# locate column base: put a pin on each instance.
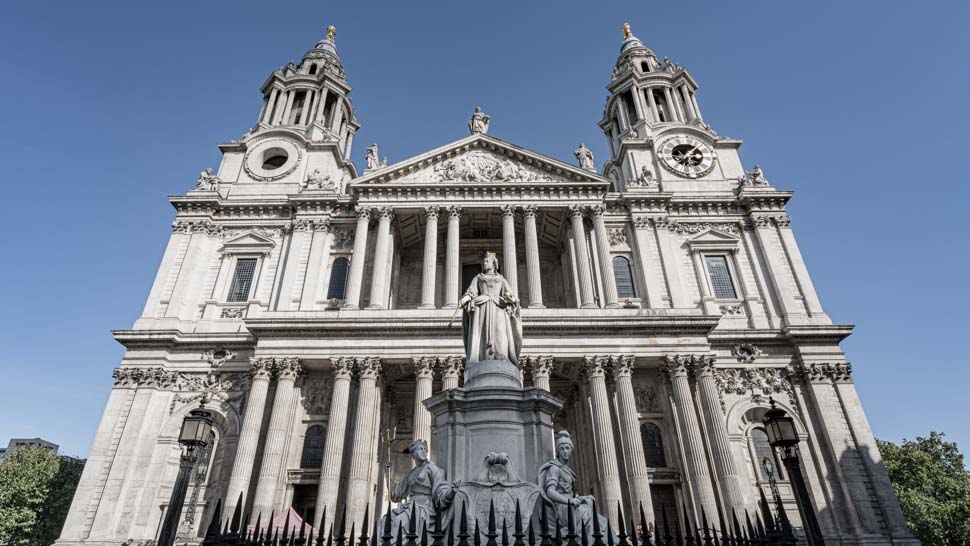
(616, 305)
(536, 306)
(374, 306)
(590, 306)
(427, 306)
(350, 306)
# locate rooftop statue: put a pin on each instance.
(491, 323)
(479, 122)
(585, 157)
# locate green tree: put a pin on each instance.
(933, 487)
(36, 488)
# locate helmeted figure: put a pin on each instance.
(557, 486)
(491, 323)
(425, 490)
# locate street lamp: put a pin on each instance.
(194, 434)
(783, 435)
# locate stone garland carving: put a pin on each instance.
(316, 395)
(736, 309)
(233, 312)
(692, 228)
(478, 166)
(343, 238)
(616, 236)
(760, 383)
(207, 227)
(229, 388)
(767, 220)
(218, 356)
(837, 372)
(746, 352)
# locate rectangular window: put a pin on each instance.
(717, 269)
(242, 280)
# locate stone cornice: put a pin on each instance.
(175, 340)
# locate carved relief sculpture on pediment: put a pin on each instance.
(479, 166)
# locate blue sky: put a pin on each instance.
(109, 107)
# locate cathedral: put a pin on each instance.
(312, 308)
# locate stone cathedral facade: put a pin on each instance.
(664, 298)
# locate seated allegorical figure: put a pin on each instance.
(424, 489)
(557, 486)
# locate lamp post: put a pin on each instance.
(194, 434)
(783, 435)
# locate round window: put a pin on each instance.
(274, 158)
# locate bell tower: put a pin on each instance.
(648, 98)
(312, 97)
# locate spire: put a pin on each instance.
(325, 48)
(632, 46)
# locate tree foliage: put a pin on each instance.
(36, 488)
(933, 487)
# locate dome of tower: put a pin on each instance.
(325, 47)
(324, 56)
(634, 53)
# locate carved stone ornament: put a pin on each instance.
(826, 373)
(616, 236)
(646, 179)
(372, 160)
(229, 388)
(317, 180)
(478, 166)
(746, 352)
(478, 124)
(645, 396)
(760, 383)
(736, 309)
(755, 177)
(233, 313)
(343, 238)
(693, 228)
(585, 157)
(218, 356)
(316, 395)
(539, 366)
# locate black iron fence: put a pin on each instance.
(760, 530)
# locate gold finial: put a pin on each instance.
(331, 31)
(626, 30)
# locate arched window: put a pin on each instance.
(313, 69)
(338, 279)
(762, 450)
(623, 273)
(653, 445)
(644, 66)
(312, 456)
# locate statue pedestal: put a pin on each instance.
(493, 413)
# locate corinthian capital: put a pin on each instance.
(454, 212)
(363, 213)
(529, 211)
(508, 211)
(262, 368)
(623, 367)
(452, 366)
(369, 367)
(424, 366)
(837, 372)
(703, 365)
(577, 210)
(540, 366)
(288, 368)
(431, 212)
(343, 367)
(596, 366)
(677, 365)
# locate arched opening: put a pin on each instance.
(313, 69)
(653, 446)
(274, 158)
(338, 279)
(644, 66)
(313, 441)
(623, 273)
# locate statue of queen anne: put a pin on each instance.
(491, 323)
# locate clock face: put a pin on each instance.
(687, 156)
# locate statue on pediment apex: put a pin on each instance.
(478, 124)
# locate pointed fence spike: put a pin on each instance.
(597, 531)
(505, 532)
(478, 534)
(363, 528)
(582, 534)
(400, 530)
(236, 515)
(323, 526)
(424, 533)
(213, 531)
(609, 532)
(532, 534)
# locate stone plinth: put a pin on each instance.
(493, 414)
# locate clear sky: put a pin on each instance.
(109, 107)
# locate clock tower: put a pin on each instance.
(656, 134)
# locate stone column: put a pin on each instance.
(697, 109)
(673, 106)
(452, 265)
(378, 285)
(724, 464)
(582, 257)
(321, 104)
(277, 436)
(290, 97)
(606, 261)
(509, 269)
(356, 274)
(430, 258)
(363, 453)
(609, 474)
(653, 105)
(338, 116)
(333, 449)
(424, 375)
(307, 103)
(451, 369)
(636, 465)
(242, 468)
(541, 368)
(694, 454)
(269, 109)
(532, 256)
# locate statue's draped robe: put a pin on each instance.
(563, 479)
(492, 330)
(425, 489)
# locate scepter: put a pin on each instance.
(453, 315)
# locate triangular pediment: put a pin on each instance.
(481, 160)
(713, 239)
(248, 242)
